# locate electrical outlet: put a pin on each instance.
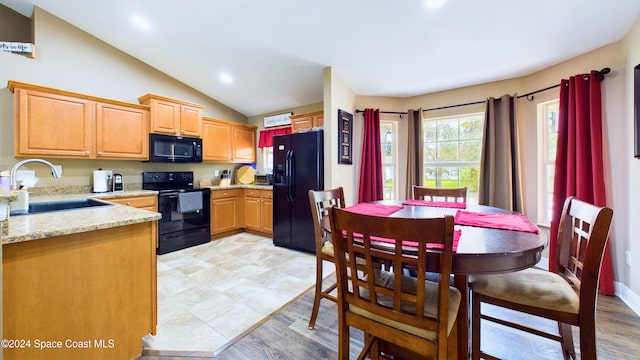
(59, 168)
(627, 257)
(216, 172)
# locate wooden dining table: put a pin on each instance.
(480, 250)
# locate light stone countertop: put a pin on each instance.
(7, 196)
(103, 196)
(57, 223)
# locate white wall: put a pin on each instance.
(627, 174)
(338, 95)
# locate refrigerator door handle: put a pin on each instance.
(292, 178)
(287, 174)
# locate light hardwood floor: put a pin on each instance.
(284, 335)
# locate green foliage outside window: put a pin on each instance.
(452, 149)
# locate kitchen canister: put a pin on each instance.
(101, 180)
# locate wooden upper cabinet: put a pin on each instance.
(307, 121)
(243, 143)
(190, 121)
(62, 124)
(165, 117)
(228, 141)
(122, 132)
(54, 125)
(216, 140)
(173, 117)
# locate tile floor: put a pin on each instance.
(212, 293)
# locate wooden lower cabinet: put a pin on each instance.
(88, 295)
(266, 211)
(226, 211)
(252, 218)
(258, 211)
(146, 202)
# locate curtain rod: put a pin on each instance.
(528, 95)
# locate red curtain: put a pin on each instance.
(579, 168)
(371, 166)
(266, 136)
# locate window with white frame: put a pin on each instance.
(452, 149)
(547, 140)
(389, 145)
(267, 159)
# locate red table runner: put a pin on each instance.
(373, 209)
(516, 222)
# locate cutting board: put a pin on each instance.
(245, 174)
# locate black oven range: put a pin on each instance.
(185, 210)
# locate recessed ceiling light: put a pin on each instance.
(225, 78)
(434, 4)
(141, 23)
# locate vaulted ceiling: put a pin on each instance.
(264, 56)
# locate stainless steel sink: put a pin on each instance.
(49, 206)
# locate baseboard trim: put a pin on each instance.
(628, 297)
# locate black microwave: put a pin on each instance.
(174, 149)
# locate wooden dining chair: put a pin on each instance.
(320, 202)
(567, 296)
(440, 194)
(390, 308)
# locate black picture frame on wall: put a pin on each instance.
(345, 136)
(636, 107)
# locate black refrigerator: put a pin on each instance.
(298, 166)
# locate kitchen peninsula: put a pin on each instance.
(81, 283)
